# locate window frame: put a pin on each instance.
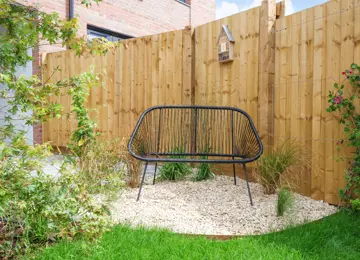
(183, 2)
(105, 33)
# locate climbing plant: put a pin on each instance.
(347, 106)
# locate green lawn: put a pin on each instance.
(335, 237)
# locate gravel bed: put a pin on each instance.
(212, 207)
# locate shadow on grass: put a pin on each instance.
(334, 237)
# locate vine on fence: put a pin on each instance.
(85, 132)
(350, 119)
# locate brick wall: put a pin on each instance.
(131, 17)
(202, 11)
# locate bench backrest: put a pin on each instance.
(195, 131)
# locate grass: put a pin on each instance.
(284, 202)
(204, 169)
(203, 172)
(335, 237)
(281, 165)
(174, 171)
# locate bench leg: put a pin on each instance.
(247, 183)
(155, 173)
(234, 173)
(142, 181)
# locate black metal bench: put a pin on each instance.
(219, 134)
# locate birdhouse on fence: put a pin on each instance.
(225, 44)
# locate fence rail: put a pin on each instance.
(283, 69)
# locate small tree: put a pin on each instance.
(34, 208)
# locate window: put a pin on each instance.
(186, 2)
(94, 32)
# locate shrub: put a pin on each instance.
(133, 170)
(174, 170)
(204, 169)
(203, 172)
(285, 160)
(285, 201)
(344, 101)
(36, 208)
(133, 165)
(100, 165)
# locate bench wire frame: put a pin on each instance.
(184, 123)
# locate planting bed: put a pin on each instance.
(212, 207)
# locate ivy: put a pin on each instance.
(350, 119)
(86, 127)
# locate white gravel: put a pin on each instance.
(212, 207)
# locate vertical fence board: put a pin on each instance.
(266, 71)
(332, 67)
(349, 25)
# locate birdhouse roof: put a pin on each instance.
(225, 29)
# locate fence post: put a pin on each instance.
(266, 71)
(188, 73)
(280, 9)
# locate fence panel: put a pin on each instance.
(233, 83)
(312, 48)
(143, 72)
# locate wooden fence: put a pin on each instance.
(283, 69)
(229, 84)
(143, 72)
(312, 48)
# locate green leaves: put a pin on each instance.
(350, 118)
(173, 171)
(25, 27)
(88, 3)
(285, 201)
(86, 128)
(38, 207)
(204, 170)
(354, 66)
(35, 207)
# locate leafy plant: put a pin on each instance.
(133, 165)
(203, 172)
(98, 162)
(37, 208)
(204, 169)
(285, 200)
(285, 160)
(174, 170)
(350, 118)
(101, 166)
(85, 133)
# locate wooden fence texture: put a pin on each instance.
(234, 83)
(143, 72)
(283, 69)
(228, 84)
(312, 48)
